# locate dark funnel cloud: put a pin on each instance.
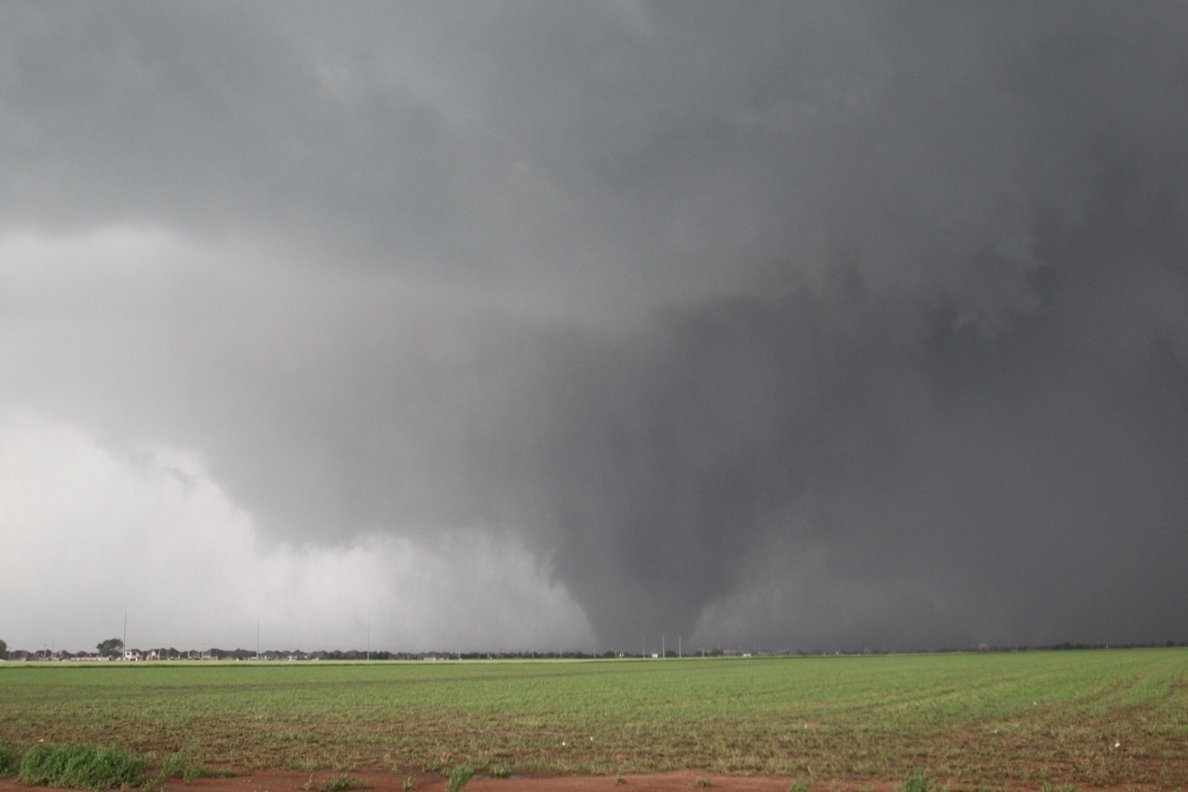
(767, 325)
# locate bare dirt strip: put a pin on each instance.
(683, 781)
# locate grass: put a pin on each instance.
(85, 766)
(344, 782)
(183, 765)
(459, 776)
(10, 760)
(1028, 719)
(917, 782)
(81, 767)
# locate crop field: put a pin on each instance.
(1091, 719)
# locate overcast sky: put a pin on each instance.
(575, 325)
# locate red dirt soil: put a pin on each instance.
(683, 781)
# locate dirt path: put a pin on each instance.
(673, 781)
(435, 782)
(679, 781)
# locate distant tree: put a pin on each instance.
(110, 648)
(3, 650)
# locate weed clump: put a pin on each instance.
(81, 767)
(500, 770)
(917, 782)
(344, 782)
(44, 764)
(182, 765)
(799, 786)
(10, 760)
(459, 776)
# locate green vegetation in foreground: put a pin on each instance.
(1086, 718)
(81, 767)
(343, 783)
(10, 760)
(182, 765)
(460, 776)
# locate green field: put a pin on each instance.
(1085, 718)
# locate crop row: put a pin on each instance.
(1094, 718)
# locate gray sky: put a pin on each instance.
(572, 325)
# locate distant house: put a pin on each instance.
(133, 654)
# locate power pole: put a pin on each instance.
(124, 640)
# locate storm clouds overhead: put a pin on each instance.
(571, 325)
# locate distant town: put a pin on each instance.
(292, 655)
(120, 655)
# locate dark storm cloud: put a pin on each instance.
(842, 323)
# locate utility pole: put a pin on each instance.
(257, 639)
(680, 654)
(124, 640)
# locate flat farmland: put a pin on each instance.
(1092, 719)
